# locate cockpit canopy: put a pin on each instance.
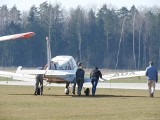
(63, 63)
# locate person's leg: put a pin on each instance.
(92, 81)
(152, 87)
(96, 82)
(81, 85)
(78, 84)
(94, 86)
(74, 87)
(41, 86)
(149, 87)
(36, 86)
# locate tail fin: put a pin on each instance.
(23, 77)
(18, 69)
(48, 52)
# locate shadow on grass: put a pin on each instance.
(84, 96)
(107, 96)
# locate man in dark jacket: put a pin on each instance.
(94, 75)
(79, 79)
(39, 81)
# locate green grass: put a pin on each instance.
(19, 103)
(7, 79)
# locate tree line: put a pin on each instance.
(108, 37)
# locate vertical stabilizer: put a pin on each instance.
(18, 69)
(48, 52)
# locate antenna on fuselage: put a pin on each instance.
(48, 52)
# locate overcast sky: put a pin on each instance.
(26, 4)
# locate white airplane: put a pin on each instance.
(60, 69)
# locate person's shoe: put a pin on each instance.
(35, 93)
(79, 94)
(152, 95)
(73, 92)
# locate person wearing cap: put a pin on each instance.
(152, 76)
(79, 79)
(95, 75)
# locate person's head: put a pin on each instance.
(96, 68)
(79, 64)
(151, 63)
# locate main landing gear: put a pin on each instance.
(66, 91)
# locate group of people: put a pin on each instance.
(94, 76)
(151, 73)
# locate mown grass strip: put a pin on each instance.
(19, 103)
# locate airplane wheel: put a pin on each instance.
(66, 91)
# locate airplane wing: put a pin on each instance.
(29, 75)
(124, 75)
(6, 74)
(108, 77)
(15, 36)
(15, 76)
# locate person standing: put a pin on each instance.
(39, 83)
(94, 75)
(152, 76)
(79, 79)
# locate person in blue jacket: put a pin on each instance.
(152, 76)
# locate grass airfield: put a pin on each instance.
(19, 103)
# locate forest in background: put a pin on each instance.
(107, 37)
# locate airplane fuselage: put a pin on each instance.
(62, 69)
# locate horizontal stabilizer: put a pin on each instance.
(46, 72)
(31, 72)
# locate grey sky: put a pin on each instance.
(26, 4)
